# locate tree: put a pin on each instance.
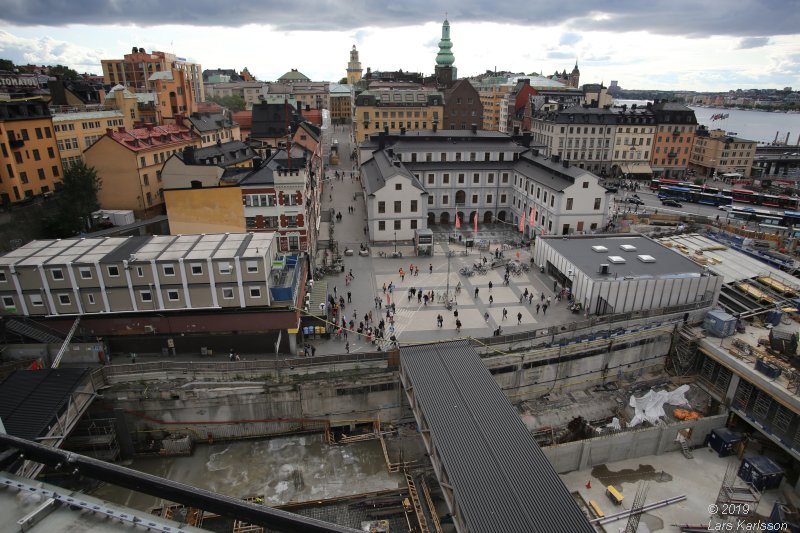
(7, 64)
(63, 72)
(233, 102)
(75, 202)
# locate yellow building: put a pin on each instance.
(129, 164)
(395, 110)
(341, 97)
(354, 67)
(123, 100)
(30, 163)
(75, 132)
(716, 153)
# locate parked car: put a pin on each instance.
(672, 203)
(725, 207)
(633, 200)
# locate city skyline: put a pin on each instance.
(665, 46)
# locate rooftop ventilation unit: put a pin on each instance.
(646, 258)
(604, 269)
(627, 247)
(599, 249)
(616, 259)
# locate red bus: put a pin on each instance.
(655, 184)
(744, 195)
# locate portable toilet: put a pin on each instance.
(724, 441)
(761, 472)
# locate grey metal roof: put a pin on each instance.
(377, 170)
(203, 122)
(422, 166)
(501, 479)
(668, 263)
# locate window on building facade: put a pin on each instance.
(36, 300)
(503, 199)
(86, 273)
(381, 225)
(398, 186)
(596, 204)
(57, 274)
(169, 270)
(445, 199)
(461, 178)
(569, 204)
(413, 206)
(398, 206)
(227, 293)
(430, 199)
(197, 269)
(381, 207)
(64, 299)
(146, 296)
(476, 178)
(173, 295)
(489, 198)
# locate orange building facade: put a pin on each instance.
(30, 163)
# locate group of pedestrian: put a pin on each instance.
(309, 350)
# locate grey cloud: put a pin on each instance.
(741, 18)
(753, 42)
(556, 54)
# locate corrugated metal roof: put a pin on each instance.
(501, 479)
(86, 115)
(30, 400)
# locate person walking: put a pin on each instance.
(542, 297)
(476, 291)
(349, 297)
(537, 308)
(347, 346)
(548, 300)
(530, 298)
(490, 287)
(439, 320)
(491, 299)
(458, 326)
(521, 298)
(519, 318)
(430, 268)
(505, 313)
(486, 316)
(544, 309)
(555, 286)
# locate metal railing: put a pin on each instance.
(590, 323)
(239, 367)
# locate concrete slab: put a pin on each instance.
(669, 475)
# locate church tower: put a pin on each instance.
(353, 67)
(575, 76)
(445, 71)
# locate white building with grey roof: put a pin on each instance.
(610, 274)
(435, 176)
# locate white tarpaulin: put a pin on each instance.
(650, 407)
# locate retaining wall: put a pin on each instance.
(580, 455)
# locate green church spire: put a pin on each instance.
(445, 57)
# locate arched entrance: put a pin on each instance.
(471, 218)
(461, 197)
(461, 218)
(487, 217)
(444, 218)
(431, 219)
(501, 216)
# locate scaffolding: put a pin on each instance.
(95, 437)
(684, 349)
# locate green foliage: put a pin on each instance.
(74, 203)
(7, 64)
(233, 102)
(343, 81)
(63, 72)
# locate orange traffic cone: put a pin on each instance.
(589, 484)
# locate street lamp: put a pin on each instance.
(395, 242)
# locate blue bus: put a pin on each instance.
(697, 196)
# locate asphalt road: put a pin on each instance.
(652, 203)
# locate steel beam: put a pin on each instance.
(170, 490)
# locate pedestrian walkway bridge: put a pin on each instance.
(493, 474)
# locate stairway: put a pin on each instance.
(685, 450)
(415, 502)
(33, 330)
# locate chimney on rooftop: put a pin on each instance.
(565, 162)
(109, 131)
(121, 129)
(149, 126)
(188, 155)
(516, 130)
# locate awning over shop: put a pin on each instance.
(636, 169)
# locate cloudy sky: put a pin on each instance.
(660, 44)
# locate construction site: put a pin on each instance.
(662, 413)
